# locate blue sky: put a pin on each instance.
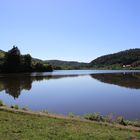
(78, 30)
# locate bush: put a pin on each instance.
(133, 123)
(1, 103)
(109, 118)
(40, 67)
(121, 120)
(25, 108)
(94, 117)
(71, 115)
(15, 106)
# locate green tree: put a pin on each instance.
(15, 62)
(39, 67)
(12, 60)
(27, 62)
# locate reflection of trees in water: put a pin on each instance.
(129, 80)
(14, 84)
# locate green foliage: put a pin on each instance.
(67, 65)
(2, 54)
(71, 115)
(25, 108)
(40, 67)
(128, 57)
(120, 120)
(94, 117)
(15, 106)
(1, 103)
(13, 62)
(27, 62)
(133, 122)
(108, 118)
(136, 63)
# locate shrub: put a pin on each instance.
(15, 106)
(109, 118)
(94, 117)
(71, 114)
(1, 103)
(133, 123)
(121, 120)
(25, 108)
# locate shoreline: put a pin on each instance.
(62, 117)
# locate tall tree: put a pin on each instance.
(27, 62)
(13, 60)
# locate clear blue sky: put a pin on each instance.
(78, 30)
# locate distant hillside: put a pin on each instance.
(129, 58)
(2, 54)
(59, 64)
(56, 64)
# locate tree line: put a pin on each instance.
(128, 57)
(14, 62)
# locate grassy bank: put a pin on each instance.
(16, 124)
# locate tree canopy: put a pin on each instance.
(15, 62)
(128, 57)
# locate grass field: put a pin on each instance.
(22, 126)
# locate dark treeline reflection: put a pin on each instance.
(13, 84)
(129, 80)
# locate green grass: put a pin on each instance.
(20, 126)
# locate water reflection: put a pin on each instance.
(14, 84)
(78, 93)
(128, 80)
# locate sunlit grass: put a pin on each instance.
(23, 126)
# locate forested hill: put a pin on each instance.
(56, 64)
(14, 62)
(128, 59)
(125, 58)
(59, 64)
(2, 53)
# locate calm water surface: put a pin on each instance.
(77, 91)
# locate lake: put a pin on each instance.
(77, 91)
